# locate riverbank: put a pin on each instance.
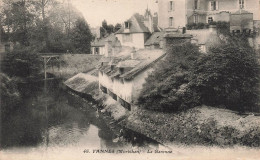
(202, 125)
(72, 64)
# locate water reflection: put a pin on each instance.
(49, 117)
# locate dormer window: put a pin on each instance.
(127, 25)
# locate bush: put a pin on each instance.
(229, 76)
(166, 88)
(22, 62)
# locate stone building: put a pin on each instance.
(179, 13)
(135, 31)
(122, 76)
(106, 46)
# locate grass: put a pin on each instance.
(72, 64)
(201, 125)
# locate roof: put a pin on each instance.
(177, 35)
(128, 63)
(136, 25)
(142, 59)
(154, 39)
(101, 42)
(241, 11)
(155, 25)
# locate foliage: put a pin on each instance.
(196, 26)
(107, 29)
(221, 26)
(165, 88)
(81, 36)
(229, 76)
(22, 62)
(10, 96)
(42, 25)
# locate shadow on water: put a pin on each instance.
(49, 116)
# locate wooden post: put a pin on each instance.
(45, 72)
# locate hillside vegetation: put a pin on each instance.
(227, 77)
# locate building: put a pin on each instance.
(205, 38)
(135, 31)
(122, 76)
(179, 13)
(106, 46)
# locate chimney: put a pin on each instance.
(108, 48)
(133, 53)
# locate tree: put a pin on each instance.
(165, 86)
(228, 76)
(117, 27)
(81, 36)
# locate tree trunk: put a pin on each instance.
(45, 24)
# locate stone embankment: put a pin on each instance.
(202, 125)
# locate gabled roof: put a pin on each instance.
(155, 25)
(101, 42)
(154, 39)
(142, 60)
(136, 25)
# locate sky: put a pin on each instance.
(113, 11)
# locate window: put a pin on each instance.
(213, 5)
(196, 18)
(195, 4)
(171, 6)
(96, 50)
(171, 21)
(127, 25)
(241, 4)
(210, 19)
(121, 70)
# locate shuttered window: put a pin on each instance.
(196, 4)
(241, 4)
(171, 22)
(171, 6)
(213, 5)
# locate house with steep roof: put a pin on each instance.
(123, 76)
(135, 31)
(155, 41)
(106, 46)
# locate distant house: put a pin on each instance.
(135, 31)
(179, 13)
(106, 46)
(122, 76)
(241, 21)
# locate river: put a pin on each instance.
(50, 118)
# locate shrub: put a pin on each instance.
(229, 76)
(22, 62)
(165, 89)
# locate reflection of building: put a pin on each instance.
(179, 13)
